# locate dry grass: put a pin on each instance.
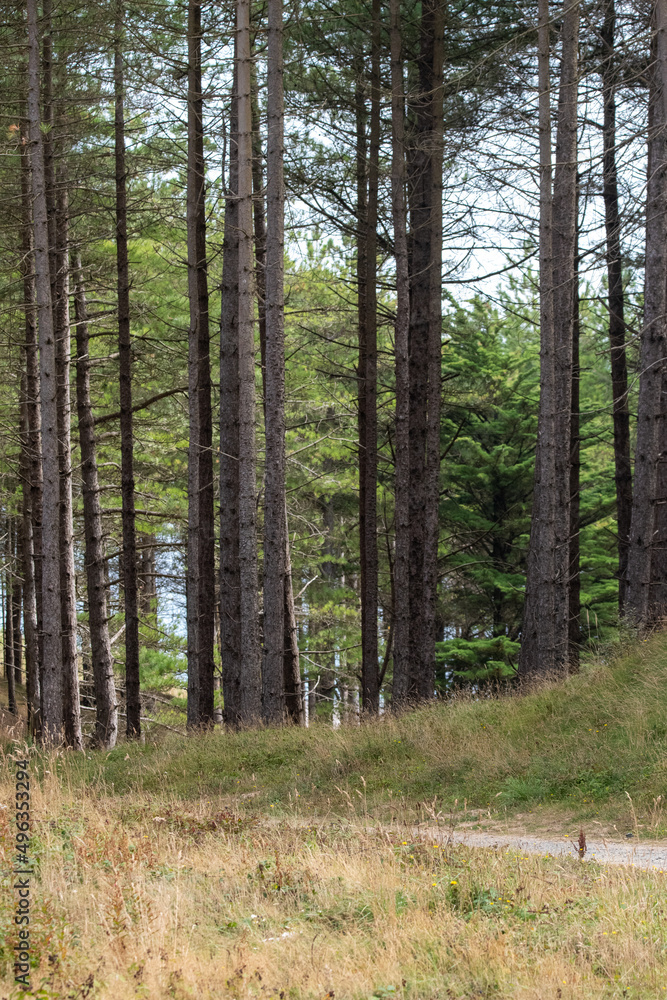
(152, 896)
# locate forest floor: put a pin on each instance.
(348, 864)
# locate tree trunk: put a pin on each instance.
(401, 622)
(106, 709)
(201, 539)
(259, 221)
(132, 683)
(653, 337)
(424, 252)
(368, 399)
(61, 322)
(294, 699)
(250, 652)
(574, 628)
(616, 300)
(230, 585)
(564, 241)
(31, 466)
(52, 691)
(273, 687)
(17, 601)
(434, 28)
(537, 652)
(9, 618)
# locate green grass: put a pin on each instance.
(585, 743)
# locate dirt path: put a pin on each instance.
(631, 852)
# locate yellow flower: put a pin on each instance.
(453, 882)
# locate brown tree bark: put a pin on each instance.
(435, 27)
(564, 242)
(9, 617)
(258, 220)
(132, 682)
(230, 585)
(61, 322)
(52, 692)
(250, 651)
(424, 259)
(106, 708)
(538, 633)
(574, 593)
(294, 696)
(31, 466)
(273, 686)
(401, 622)
(616, 301)
(294, 708)
(367, 381)
(653, 347)
(201, 540)
(17, 602)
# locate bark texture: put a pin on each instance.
(273, 686)
(401, 622)
(250, 652)
(653, 338)
(52, 690)
(31, 469)
(367, 388)
(564, 239)
(538, 634)
(616, 301)
(201, 540)
(106, 708)
(129, 561)
(417, 680)
(61, 321)
(230, 586)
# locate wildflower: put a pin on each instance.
(453, 882)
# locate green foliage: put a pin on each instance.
(159, 669)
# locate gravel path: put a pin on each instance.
(633, 853)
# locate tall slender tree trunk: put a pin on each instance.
(28, 562)
(230, 584)
(616, 300)
(401, 623)
(201, 539)
(370, 680)
(564, 241)
(250, 652)
(538, 633)
(653, 338)
(574, 629)
(294, 696)
(61, 321)
(435, 27)
(31, 462)
(52, 691)
(132, 683)
(291, 679)
(259, 221)
(9, 617)
(424, 254)
(17, 602)
(273, 687)
(106, 709)
(658, 588)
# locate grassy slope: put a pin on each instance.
(192, 869)
(585, 745)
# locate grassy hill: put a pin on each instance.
(286, 864)
(585, 744)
